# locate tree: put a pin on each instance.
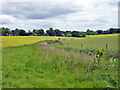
(58, 32)
(40, 32)
(117, 30)
(5, 31)
(29, 32)
(93, 32)
(83, 35)
(78, 34)
(64, 33)
(45, 34)
(13, 32)
(106, 32)
(34, 30)
(99, 32)
(111, 30)
(33, 33)
(16, 32)
(22, 32)
(75, 34)
(88, 32)
(50, 32)
(51, 29)
(68, 33)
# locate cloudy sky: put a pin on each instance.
(63, 14)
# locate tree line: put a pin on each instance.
(55, 32)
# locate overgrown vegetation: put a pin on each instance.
(62, 63)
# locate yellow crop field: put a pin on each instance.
(103, 35)
(12, 41)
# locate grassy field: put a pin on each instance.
(64, 63)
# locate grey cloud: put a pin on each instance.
(65, 16)
(38, 10)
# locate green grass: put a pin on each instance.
(29, 67)
(95, 43)
(54, 66)
(92, 44)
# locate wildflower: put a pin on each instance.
(10, 85)
(66, 54)
(63, 50)
(92, 60)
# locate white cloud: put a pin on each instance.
(7, 19)
(63, 14)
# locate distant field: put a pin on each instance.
(95, 42)
(12, 41)
(46, 62)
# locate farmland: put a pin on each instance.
(12, 41)
(60, 62)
